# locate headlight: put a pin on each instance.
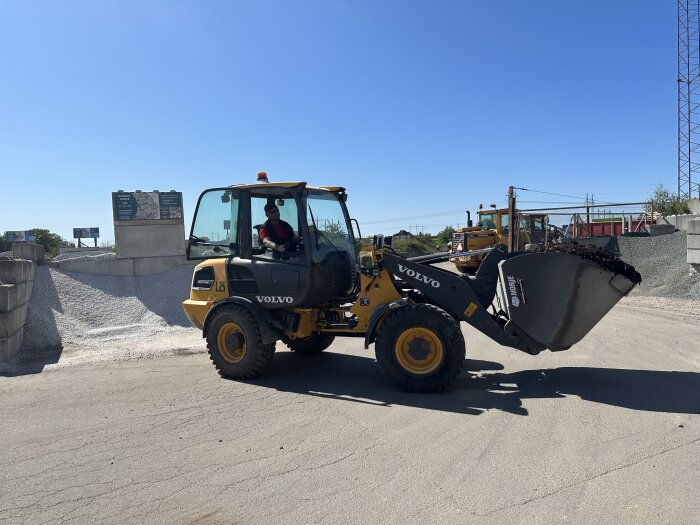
(203, 278)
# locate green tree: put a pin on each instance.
(50, 241)
(445, 236)
(412, 248)
(4, 244)
(666, 203)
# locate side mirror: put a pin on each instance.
(279, 202)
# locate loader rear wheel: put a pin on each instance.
(420, 348)
(235, 344)
(314, 344)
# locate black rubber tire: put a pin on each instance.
(469, 270)
(257, 355)
(442, 325)
(314, 344)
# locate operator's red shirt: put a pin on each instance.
(281, 232)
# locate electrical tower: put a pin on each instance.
(688, 97)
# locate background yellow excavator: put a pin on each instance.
(492, 228)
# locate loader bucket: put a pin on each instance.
(554, 299)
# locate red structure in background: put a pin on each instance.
(614, 228)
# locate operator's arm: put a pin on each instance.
(269, 243)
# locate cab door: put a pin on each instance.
(215, 231)
(265, 277)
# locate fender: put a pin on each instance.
(262, 316)
(379, 314)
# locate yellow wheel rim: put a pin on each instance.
(231, 343)
(419, 351)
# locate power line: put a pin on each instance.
(427, 216)
(550, 193)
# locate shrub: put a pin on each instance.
(667, 203)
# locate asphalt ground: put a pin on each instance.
(606, 432)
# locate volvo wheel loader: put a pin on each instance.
(245, 297)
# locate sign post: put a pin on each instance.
(86, 233)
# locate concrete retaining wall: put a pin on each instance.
(148, 238)
(694, 243)
(137, 266)
(28, 250)
(679, 221)
(16, 283)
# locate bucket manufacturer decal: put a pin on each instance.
(514, 299)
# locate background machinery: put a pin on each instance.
(245, 300)
(492, 228)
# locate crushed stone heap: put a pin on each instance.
(599, 256)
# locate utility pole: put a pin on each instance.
(588, 217)
(688, 95)
(511, 219)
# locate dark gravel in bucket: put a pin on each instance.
(599, 256)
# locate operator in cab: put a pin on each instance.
(276, 234)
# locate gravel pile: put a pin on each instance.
(599, 256)
(695, 289)
(662, 262)
(72, 309)
(85, 256)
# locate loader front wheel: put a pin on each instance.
(314, 344)
(420, 348)
(235, 344)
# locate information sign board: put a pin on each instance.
(155, 205)
(20, 235)
(86, 233)
(170, 205)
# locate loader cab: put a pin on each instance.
(320, 267)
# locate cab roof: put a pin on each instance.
(299, 184)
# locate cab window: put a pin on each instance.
(504, 224)
(488, 221)
(215, 226)
(289, 213)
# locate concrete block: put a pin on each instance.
(113, 267)
(13, 271)
(13, 320)
(693, 256)
(13, 295)
(8, 297)
(144, 266)
(694, 227)
(694, 242)
(10, 346)
(660, 229)
(144, 238)
(694, 205)
(28, 250)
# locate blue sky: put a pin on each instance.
(421, 109)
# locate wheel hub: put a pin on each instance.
(235, 341)
(419, 349)
(231, 343)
